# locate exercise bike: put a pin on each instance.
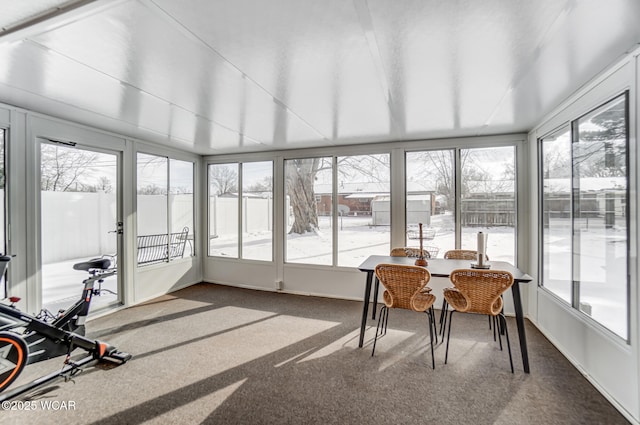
(26, 339)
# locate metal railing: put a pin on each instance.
(160, 248)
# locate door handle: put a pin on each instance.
(119, 228)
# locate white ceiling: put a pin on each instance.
(253, 75)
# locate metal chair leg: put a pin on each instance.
(499, 331)
(433, 322)
(506, 332)
(443, 326)
(494, 326)
(432, 325)
(376, 286)
(446, 353)
(386, 318)
(381, 321)
(443, 316)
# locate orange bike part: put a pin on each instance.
(19, 346)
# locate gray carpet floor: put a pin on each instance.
(222, 355)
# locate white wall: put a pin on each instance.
(609, 362)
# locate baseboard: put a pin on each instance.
(282, 291)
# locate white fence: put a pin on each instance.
(257, 215)
(77, 224)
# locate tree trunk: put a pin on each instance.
(301, 175)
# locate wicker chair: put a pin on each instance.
(457, 254)
(404, 289)
(399, 252)
(479, 291)
(427, 252)
(462, 254)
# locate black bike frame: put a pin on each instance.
(48, 340)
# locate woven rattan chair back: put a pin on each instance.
(408, 252)
(404, 286)
(479, 290)
(463, 254)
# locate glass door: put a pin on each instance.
(80, 220)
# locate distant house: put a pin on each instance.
(354, 198)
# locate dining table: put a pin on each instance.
(439, 267)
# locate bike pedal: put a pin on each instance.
(120, 356)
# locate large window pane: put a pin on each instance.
(364, 218)
(152, 208)
(488, 202)
(257, 207)
(223, 210)
(78, 216)
(431, 200)
(308, 210)
(152, 194)
(600, 223)
(556, 213)
(181, 202)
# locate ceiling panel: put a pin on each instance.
(15, 12)
(312, 56)
(145, 51)
(220, 76)
(585, 39)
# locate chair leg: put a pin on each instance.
(432, 326)
(489, 317)
(443, 325)
(443, 316)
(376, 285)
(499, 332)
(381, 321)
(506, 332)
(386, 318)
(494, 326)
(433, 322)
(446, 353)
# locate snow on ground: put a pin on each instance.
(603, 287)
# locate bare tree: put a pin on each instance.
(104, 184)
(152, 189)
(300, 179)
(62, 168)
(370, 168)
(301, 176)
(265, 185)
(223, 179)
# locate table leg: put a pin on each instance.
(365, 306)
(376, 285)
(517, 304)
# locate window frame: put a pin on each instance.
(573, 124)
(240, 189)
(457, 171)
(169, 158)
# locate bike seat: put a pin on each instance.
(95, 263)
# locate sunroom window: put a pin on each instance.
(584, 214)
